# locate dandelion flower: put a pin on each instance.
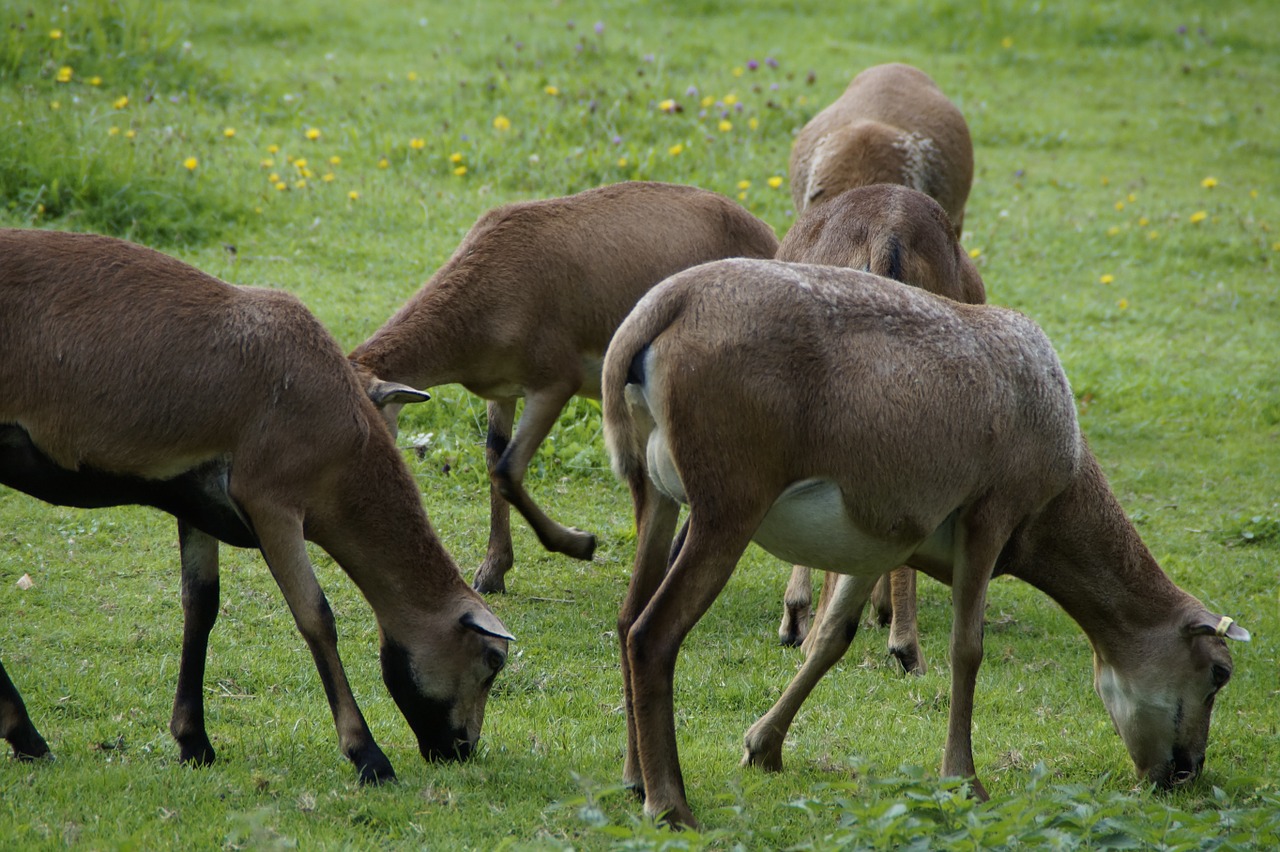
(552, 91)
(306, 173)
(382, 163)
(1275, 246)
(353, 195)
(55, 34)
(738, 72)
(1209, 182)
(273, 177)
(1006, 42)
(1198, 216)
(667, 105)
(1113, 230)
(313, 133)
(1253, 193)
(273, 149)
(460, 171)
(1106, 279)
(725, 125)
(229, 132)
(280, 186)
(335, 160)
(266, 163)
(300, 164)
(1153, 235)
(1143, 222)
(1106, 181)
(1123, 304)
(1119, 205)
(55, 104)
(753, 122)
(121, 102)
(328, 177)
(675, 149)
(190, 164)
(64, 74)
(417, 143)
(455, 157)
(501, 123)
(411, 76)
(775, 182)
(707, 101)
(730, 100)
(95, 80)
(130, 133)
(744, 184)
(300, 183)
(115, 131)
(742, 196)
(622, 162)
(975, 253)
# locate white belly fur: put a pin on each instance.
(808, 525)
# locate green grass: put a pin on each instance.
(1095, 125)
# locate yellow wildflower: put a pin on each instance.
(1123, 304)
(328, 177)
(744, 184)
(121, 102)
(64, 74)
(775, 182)
(1119, 205)
(1153, 235)
(266, 163)
(708, 101)
(417, 143)
(1132, 198)
(95, 80)
(753, 122)
(502, 123)
(382, 164)
(725, 125)
(335, 160)
(551, 90)
(622, 162)
(313, 133)
(130, 133)
(1006, 42)
(1113, 230)
(730, 100)
(742, 196)
(675, 149)
(273, 177)
(115, 131)
(1209, 182)
(55, 104)
(190, 164)
(411, 76)
(353, 195)
(280, 186)
(739, 71)
(667, 105)
(460, 171)
(1198, 216)
(55, 34)
(229, 132)
(273, 149)
(300, 183)
(455, 157)
(975, 253)
(1143, 222)
(300, 164)
(1106, 279)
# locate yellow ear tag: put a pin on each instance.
(1224, 625)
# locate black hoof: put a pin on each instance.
(197, 754)
(374, 768)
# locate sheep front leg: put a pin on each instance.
(797, 602)
(15, 725)
(283, 547)
(200, 595)
(541, 408)
(491, 575)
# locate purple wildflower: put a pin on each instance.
(752, 65)
(599, 27)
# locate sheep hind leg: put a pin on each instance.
(15, 725)
(835, 628)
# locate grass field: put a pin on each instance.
(1127, 197)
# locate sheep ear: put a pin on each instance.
(1215, 625)
(484, 622)
(393, 393)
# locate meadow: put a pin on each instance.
(1127, 197)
